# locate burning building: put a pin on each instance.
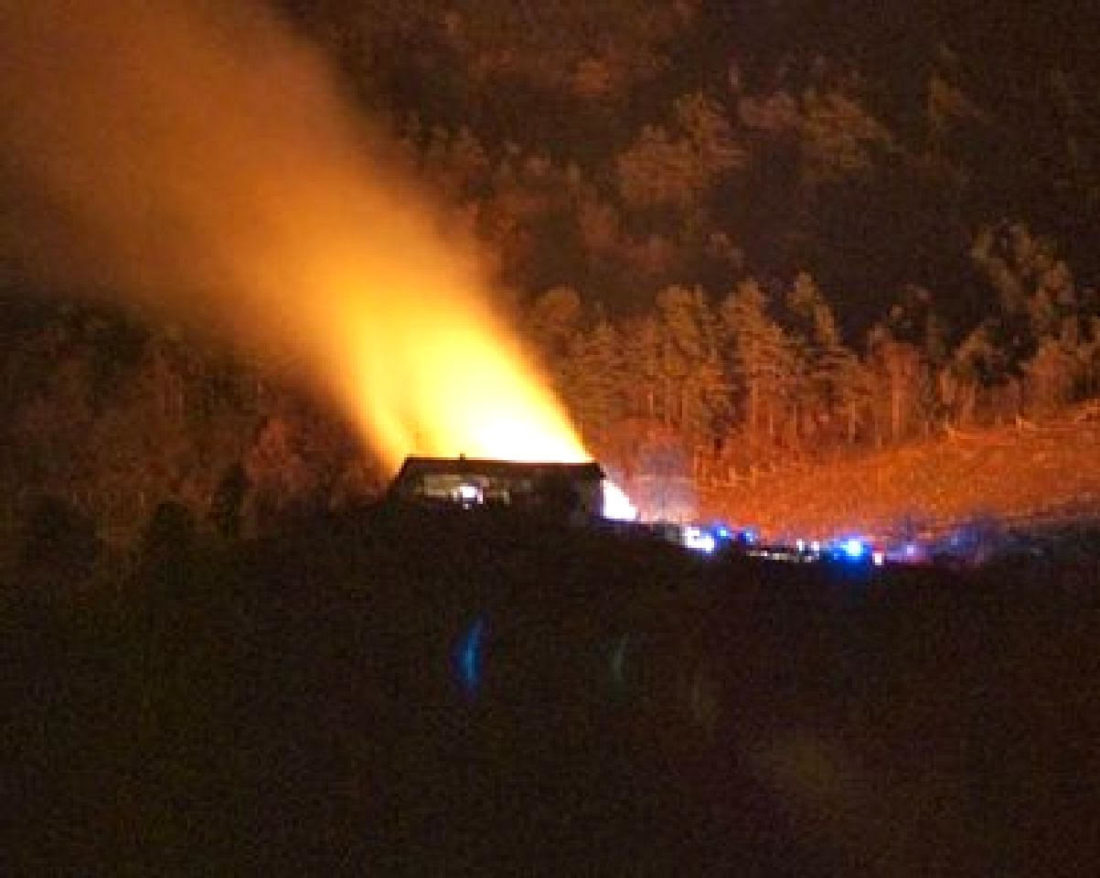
(571, 491)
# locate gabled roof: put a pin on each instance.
(417, 466)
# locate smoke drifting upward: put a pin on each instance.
(201, 162)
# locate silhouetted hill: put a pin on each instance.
(400, 693)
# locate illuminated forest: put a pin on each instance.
(731, 238)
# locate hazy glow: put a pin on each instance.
(197, 159)
(616, 504)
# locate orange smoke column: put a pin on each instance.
(197, 159)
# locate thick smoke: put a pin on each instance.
(200, 160)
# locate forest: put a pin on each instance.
(733, 235)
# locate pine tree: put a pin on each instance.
(898, 368)
(762, 360)
(596, 390)
(1037, 331)
(642, 370)
(837, 384)
(975, 366)
(671, 166)
(693, 368)
(551, 327)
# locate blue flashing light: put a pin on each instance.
(723, 532)
(854, 548)
(469, 656)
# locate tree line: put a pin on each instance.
(108, 418)
(765, 374)
(115, 417)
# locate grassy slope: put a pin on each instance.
(1027, 472)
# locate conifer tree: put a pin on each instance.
(691, 359)
(762, 361)
(596, 384)
(837, 385)
(646, 387)
(898, 370)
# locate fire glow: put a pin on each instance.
(206, 167)
(454, 383)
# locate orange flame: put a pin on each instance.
(440, 374)
(457, 386)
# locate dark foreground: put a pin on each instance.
(404, 695)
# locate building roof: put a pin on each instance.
(417, 466)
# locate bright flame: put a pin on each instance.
(452, 383)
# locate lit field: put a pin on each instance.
(1040, 472)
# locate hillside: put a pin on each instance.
(697, 220)
(1029, 471)
(400, 693)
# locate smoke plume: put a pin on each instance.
(201, 161)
